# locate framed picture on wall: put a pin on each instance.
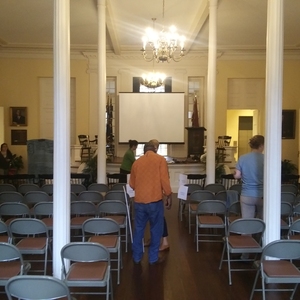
(18, 116)
(288, 124)
(19, 137)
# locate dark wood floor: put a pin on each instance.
(185, 274)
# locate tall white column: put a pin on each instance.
(61, 193)
(101, 169)
(211, 92)
(272, 168)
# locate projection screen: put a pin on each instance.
(146, 116)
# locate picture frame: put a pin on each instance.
(19, 137)
(288, 123)
(18, 116)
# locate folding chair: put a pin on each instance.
(280, 268)
(12, 210)
(239, 240)
(77, 188)
(288, 197)
(236, 187)
(215, 187)
(47, 188)
(4, 234)
(182, 203)
(288, 187)
(106, 232)
(92, 196)
(12, 263)
(211, 214)
(294, 231)
(89, 267)
(36, 287)
(31, 237)
(28, 187)
(233, 212)
(116, 210)
(80, 212)
(44, 212)
(194, 199)
(99, 187)
(7, 187)
(11, 196)
(286, 215)
(118, 186)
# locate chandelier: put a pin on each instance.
(153, 80)
(163, 45)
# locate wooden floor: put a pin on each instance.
(185, 274)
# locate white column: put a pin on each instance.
(101, 170)
(272, 168)
(61, 193)
(211, 92)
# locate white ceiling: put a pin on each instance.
(28, 24)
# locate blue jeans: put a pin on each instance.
(154, 213)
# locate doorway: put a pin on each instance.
(245, 132)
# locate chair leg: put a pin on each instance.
(189, 220)
(228, 263)
(294, 291)
(254, 284)
(222, 257)
(197, 234)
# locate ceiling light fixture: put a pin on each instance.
(163, 45)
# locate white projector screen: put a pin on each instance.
(146, 116)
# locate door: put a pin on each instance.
(244, 134)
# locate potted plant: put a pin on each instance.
(91, 168)
(287, 167)
(16, 164)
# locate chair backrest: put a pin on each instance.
(84, 140)
(212, 207)
(247, 226)
(83, 252)
(115, 195)
(77, 188)
(11, 196)
(36, 197)
(196, 179)
(222, 195)
(288, 197)
(36, 287)
(223, 141)
(193, 187)
(47, 188)
(83, 208)
(100, 226)
(215, 187)
(118, 186)
(14, 209)
(235, 208)
(43, 209)
(100, 187)
(228, 180)
(286, 209)
(201, 195)
(236, 187)
(112, 207)
(292, 188)
(294, 228)
(73, 197)
(115, 178)
(92, 196)
(7, 187)
(28, 226)
(282, 249)
(28, 187)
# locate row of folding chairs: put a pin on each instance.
(90, 267)
(274, 263)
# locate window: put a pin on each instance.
(162, 150)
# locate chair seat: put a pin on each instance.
(4, 239)
(78, 221)
(294, 237)
(119, 219)
(243, 241)
(210, 220)
(193, 207)
(32, 243)
(280, 268)
(92, 271)
(48, 222)
(109, 241)
(9, 269)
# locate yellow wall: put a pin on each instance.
(19, 87)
